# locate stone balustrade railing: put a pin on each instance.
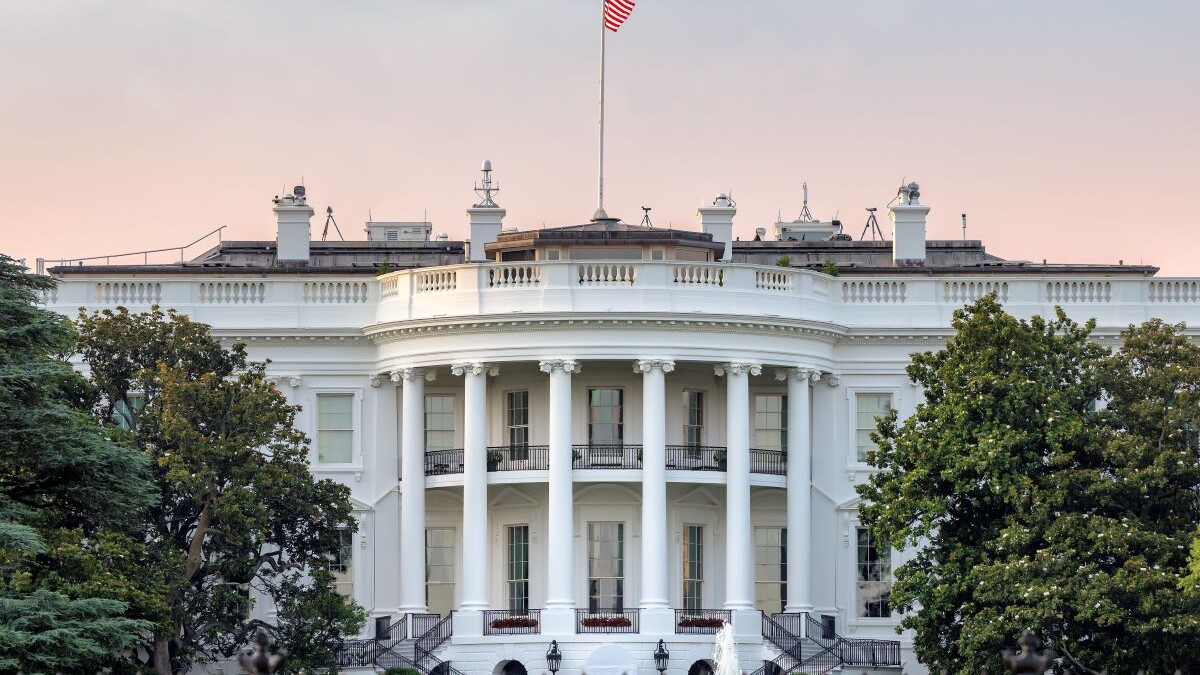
(680, 290)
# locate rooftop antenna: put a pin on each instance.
(486, 189)
(805, 215)
(872, 226)
(964, 221)
(646, 217)
(329, 219)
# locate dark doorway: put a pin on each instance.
(701, 667)
(514, 668)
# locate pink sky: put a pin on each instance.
(1066, 130)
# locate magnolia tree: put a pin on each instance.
(1045, 483)
(237, 509)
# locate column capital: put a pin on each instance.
(646, 365)
(813, 375)
(565, 365)
(475, 368)
(376, 380)
(833, 379)
(410, 374)
(737, 369)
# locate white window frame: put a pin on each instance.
(356, 460)
(852, 393)
(848, 568)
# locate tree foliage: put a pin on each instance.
(238, 508)
(1029, 507)
(71, 495)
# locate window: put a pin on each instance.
(335, 428)
(553, 254)
(439, 570)
(693, 567)
(439, 422)
(125, 412)
(770, 569)
(770, 421)
(873, 576)
(606, 567)
(657, 254)
(516, 420)
(518, 569)
(605, 421)
(693, 418)
(868, 408)
(342, 564)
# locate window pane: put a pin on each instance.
(335, 428)
(693, 567)
(439, 421)
(770, 421)
(868, 407)
(518, 568)
(606, 566)
(873, 575)
(770, 569)
(439, 570)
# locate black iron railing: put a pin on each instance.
(361, 653)
(442, 462)
(696, 457)
(855, 651)
(518, 458)
(610, 621)
(773, 462)
(434, 630)
(701, 621)
(505, 622)
(592, 456)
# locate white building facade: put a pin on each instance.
(605, 436)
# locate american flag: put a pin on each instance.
(615, 13)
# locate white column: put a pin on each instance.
(412, 492)
(654, 482)
(386, 469)
(799, 488)
(475, 487)
(560, 597)
(739, 545)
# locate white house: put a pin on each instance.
(607, 435)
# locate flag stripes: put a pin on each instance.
(615, 13)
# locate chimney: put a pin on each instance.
(908, 227)
(292, 233)
(486, 217)
(717, 220)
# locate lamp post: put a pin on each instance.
(661, 656)
(553, 657)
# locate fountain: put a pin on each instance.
(725, 652)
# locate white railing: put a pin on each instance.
(702, 275)
(1078, 291)
(336, 292)
(514, 276)
(607, 274)
(231, 292)
(962, 292)
(874, 291)
(773, 281)
(431, 281)
(389, 286)
(1174, 290)
(128, 292)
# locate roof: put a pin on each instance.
(604, 232)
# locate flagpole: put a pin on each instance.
(600, 191)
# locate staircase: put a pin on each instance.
(396, 650)
(803, 649)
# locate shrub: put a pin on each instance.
(607, 622)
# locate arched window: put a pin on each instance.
(701, 667)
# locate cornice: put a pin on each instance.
(707, 323)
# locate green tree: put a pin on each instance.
(70, 497)
(239, 508)
(1029, 508)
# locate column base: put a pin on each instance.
(468, 623)
(657, 621)
(558, 621)
(747, 625)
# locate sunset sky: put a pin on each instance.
(1065, 129)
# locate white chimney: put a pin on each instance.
(717, 220)
(486, 217)
(908, 227)
(292, 220)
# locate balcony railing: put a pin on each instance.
(442, 462)
(614, 621)
(696, 457)
(505, 622)
(592, 456)
(772, 462)
(518, 458)
(701, 621)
